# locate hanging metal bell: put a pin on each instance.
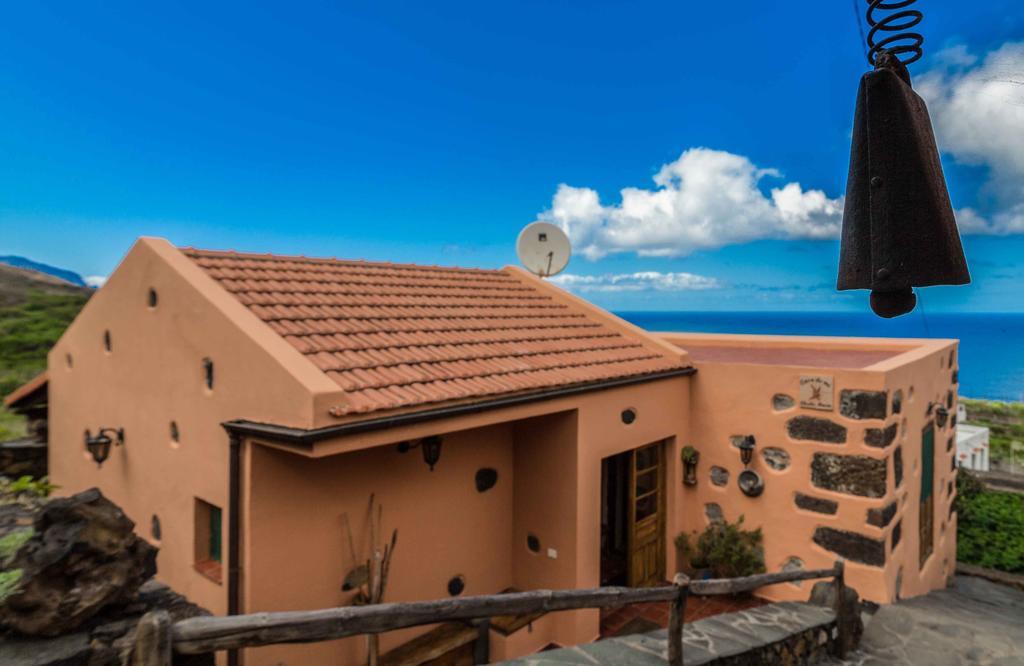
(899, 231)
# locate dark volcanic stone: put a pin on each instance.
(82, 555)
(882, 517)
(853, 475)
(775, 458)
(816, 430)
(897, 532)
(781, 401)
(897, 465)
(879, 437)
(857, 404)
(851, 545)
(714, 512)
(817, 504)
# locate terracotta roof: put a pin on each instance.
(26, 390)
(399, 336)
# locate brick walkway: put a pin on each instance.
(614, 620)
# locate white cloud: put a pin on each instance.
(631, 282)
(977, 110)
(709, 198)
(95, 281)
(705, 199)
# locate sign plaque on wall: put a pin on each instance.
(816, 392)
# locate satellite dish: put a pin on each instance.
(543, 249)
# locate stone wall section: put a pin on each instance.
(838, 482)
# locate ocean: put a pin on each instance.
(991, 345)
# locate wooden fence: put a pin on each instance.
(158, 639)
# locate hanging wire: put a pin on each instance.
(860, 29)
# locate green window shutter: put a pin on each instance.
(927, 462)
(215, 521)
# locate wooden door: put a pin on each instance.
(647, 516)
(926, 520)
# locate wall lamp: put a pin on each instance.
(750, 482)
(431, 447)
(747, 450)
(99, 446)
(941, 413)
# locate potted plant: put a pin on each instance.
(688, 560)
(690, 456)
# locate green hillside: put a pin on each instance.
(1005, 421)
(34, 311)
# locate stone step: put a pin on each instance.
(796, 627)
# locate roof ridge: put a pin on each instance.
(193, 252)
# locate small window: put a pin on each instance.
(208, 553)
(152, 299)
(175, 434)
(107, 344)
(154, 527)
(208, 372)
(69, 361)
(533, 543)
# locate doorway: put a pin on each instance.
(633, 517)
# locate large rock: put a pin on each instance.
(66, 559)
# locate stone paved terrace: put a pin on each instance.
(973, 622)
(804, 627)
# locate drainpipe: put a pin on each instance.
(234, 529)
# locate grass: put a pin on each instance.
(27, 331)
(1005, 421)
(990, 526)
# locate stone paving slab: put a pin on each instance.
(703, 641)
(974, 622)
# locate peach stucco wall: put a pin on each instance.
(296, 554)
(154, 375)
(733, 398)
(548, 455)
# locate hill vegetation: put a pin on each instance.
(1005, 421)
(35, 308)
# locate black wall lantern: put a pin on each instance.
(750, 482)
(431, 447)
(747, 450)
(99, 446)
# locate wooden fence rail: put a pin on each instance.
(201, 635)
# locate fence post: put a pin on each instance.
(842, 622)
(677, 611)
(482, 645)
(153, 640)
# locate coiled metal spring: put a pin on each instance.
(900, 21)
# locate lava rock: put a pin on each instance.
(69, 558)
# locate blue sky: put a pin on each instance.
(432, 132)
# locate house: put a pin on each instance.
(27, 455)
(971, 443)
(245, 407)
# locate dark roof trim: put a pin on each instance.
(304, 439)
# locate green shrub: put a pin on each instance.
(725, 548)
(990, 529)
(25, 489)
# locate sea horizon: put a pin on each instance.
(990, 368)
